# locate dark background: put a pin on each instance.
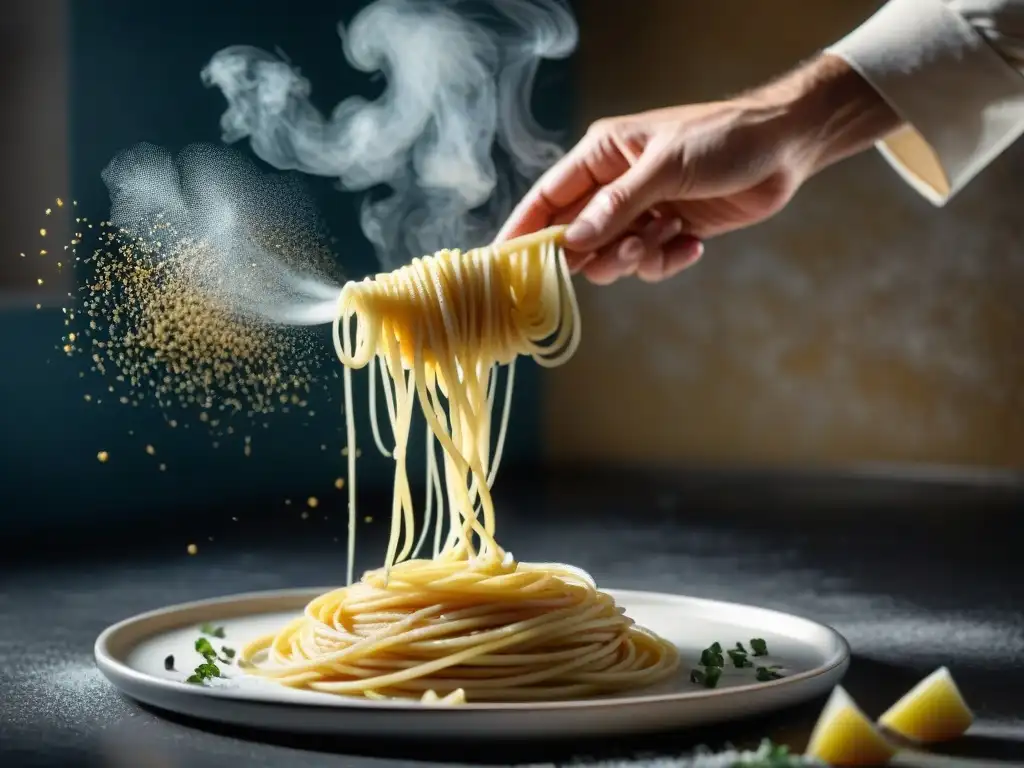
(132, 74)
(825, 417)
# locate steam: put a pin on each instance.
(459, 78)
(249, 240)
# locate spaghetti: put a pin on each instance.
(471, 623)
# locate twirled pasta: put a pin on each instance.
(471, 623)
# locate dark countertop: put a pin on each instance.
(916, 573)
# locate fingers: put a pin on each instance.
(574, 259)
(579, 260)
(628, 255)
(610, 200)
(593, 162)
(651, 262)
(615, 208)
(680, 253)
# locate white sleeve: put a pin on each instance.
(952, 69)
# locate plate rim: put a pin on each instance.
(113, 667)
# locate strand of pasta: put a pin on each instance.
(471, 623)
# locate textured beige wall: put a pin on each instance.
(860, 325)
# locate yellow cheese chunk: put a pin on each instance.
(931, 711)
(844, 735)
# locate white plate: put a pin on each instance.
(131, 654)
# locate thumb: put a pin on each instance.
(616, 206)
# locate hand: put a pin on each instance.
(652, 186)
(642, 192)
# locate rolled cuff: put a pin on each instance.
(962, 103)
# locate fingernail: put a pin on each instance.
(631, 250)
(672, 228)
(580, 230)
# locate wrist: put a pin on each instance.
(828, 112)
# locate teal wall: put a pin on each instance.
(135, 77)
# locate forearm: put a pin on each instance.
(952, 70)
(936, 85)
(827, 112)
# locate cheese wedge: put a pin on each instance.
(845, 736)
(931, 711)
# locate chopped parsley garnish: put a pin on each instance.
(711, 677)
(204, 672)
(204, 649)
(169, 663)
(229, 653)
(739, 658)
(709, 657)
(712, 660)
(708, 677)
(712, 663)
(764, 674)
(208, 629)
(208, 670)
